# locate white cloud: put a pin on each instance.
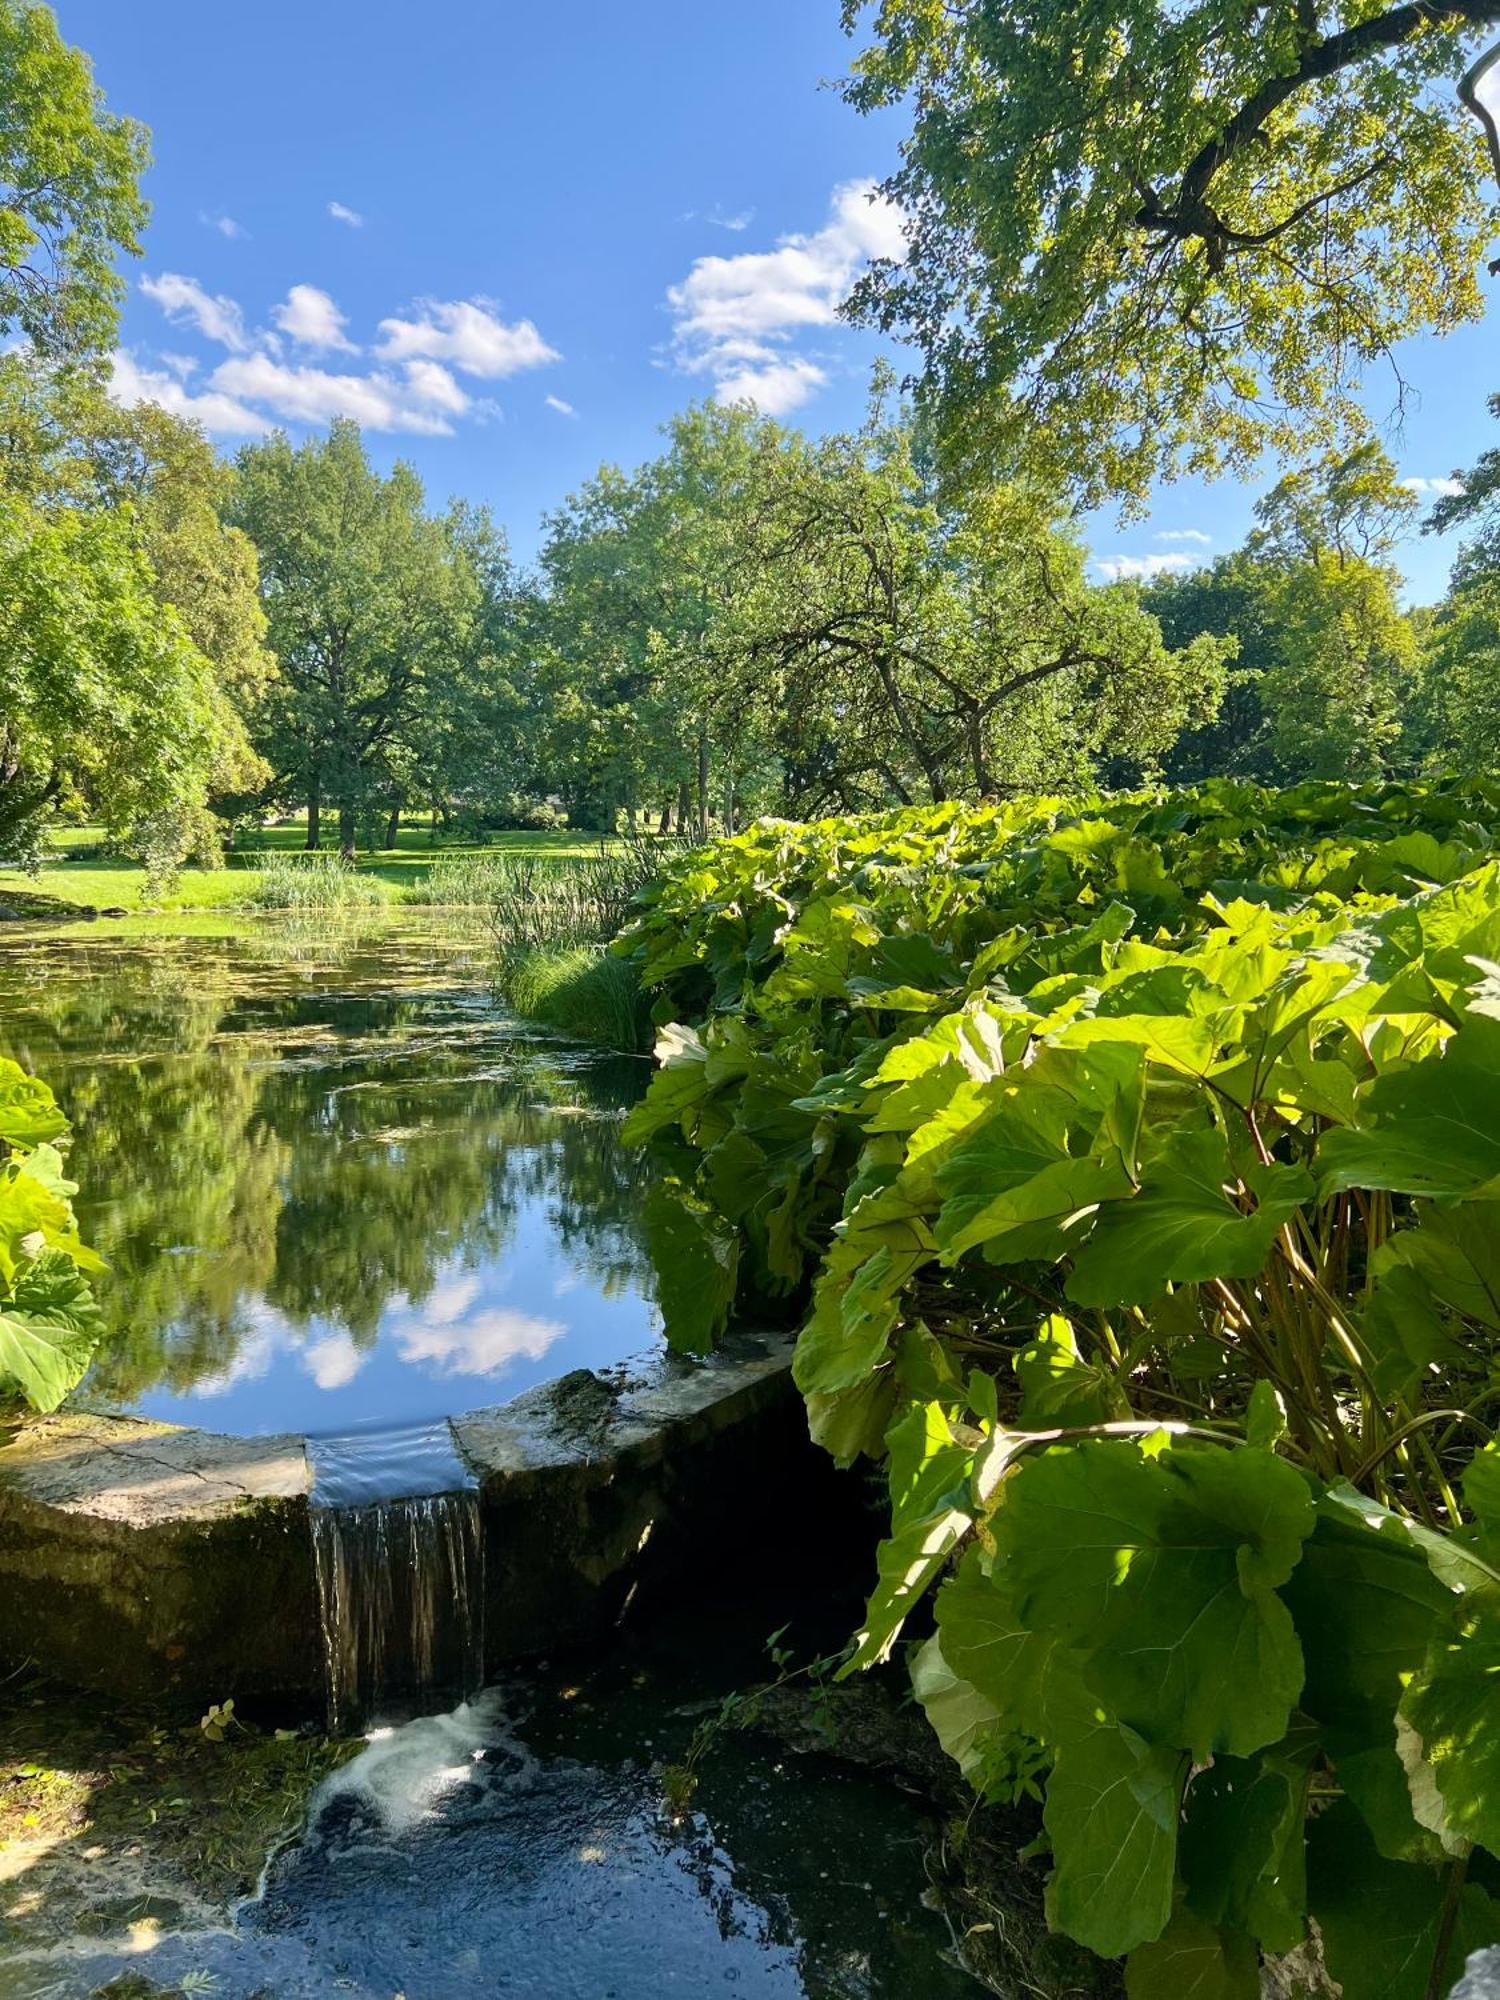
(225, 224)
(1436, 489)
(1195, 535)
(311, 318)
(349, 216)
(1121, 569)
(221, 414)
(467, 333)
(775, 387)
(735, 223)
(482, 1345)
(334, 1361)
(734, 316)
(556, 403)
(422, 400)
(185, 303)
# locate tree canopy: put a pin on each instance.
(370, 602)
(1159, 237)
(70, 196)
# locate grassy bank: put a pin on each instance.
(77, 874)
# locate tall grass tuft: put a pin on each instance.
(311, 883)
(582, 991)
(540, 902)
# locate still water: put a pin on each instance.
(334, 1182)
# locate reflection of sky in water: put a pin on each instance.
(480, 1336)
(334, 1192)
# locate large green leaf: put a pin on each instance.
(1194, 1960)
(36, 1211)
(1242, 1844)
(1432, 1128)
(930, 1509)
(1453, 1706)
(50, 1326)
(1188, 1222)
(1029, 1677)
(1163, 1570)
(1111, 1813)
(28, 1111)
(969, 1728)
(1381, 1921)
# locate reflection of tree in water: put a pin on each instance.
(252, 1135)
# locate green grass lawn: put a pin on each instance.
(96, 884)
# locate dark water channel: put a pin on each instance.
(335, 1184)
(522, 1847)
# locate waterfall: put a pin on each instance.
(399, 1560)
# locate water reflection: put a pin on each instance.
(333, 1186)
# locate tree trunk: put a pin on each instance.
(665, 823)
(978, 756)
(314, 814)
(684, 808)
(348, 823)
(393, 825)
(702, 781)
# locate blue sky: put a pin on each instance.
(513, 240)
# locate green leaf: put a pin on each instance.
(1185, 1224)
(1381, 1920)
(1028, 1677)
(1265, 1419)
(696, 1258)
(1194, 1960)
(1111, 1812)
(1432, 1128)
(1242, 1844)
(28, 1111)
(1163, 1570)
(1453, 1705)
(969, 1728)
(50, 1326)
(1060, 1388)
(930, 1510)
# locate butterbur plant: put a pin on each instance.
(50, 1323)
(1140, 1163)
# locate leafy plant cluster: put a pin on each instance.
(49, 1321)
(1134, 1168)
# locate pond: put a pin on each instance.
(336, 1184)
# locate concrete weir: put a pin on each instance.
(144, 1560)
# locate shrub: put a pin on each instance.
(1137, 1162)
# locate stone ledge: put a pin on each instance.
(150, 1561)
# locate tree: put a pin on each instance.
(102, 692)
(758, 617)
(939, 654)
(1326, 667)
(64, 444)
(1162, 237)
(1461, 669)
(647, 577)
(69, 190)
(366, 602)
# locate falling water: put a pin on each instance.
(399, 1559)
